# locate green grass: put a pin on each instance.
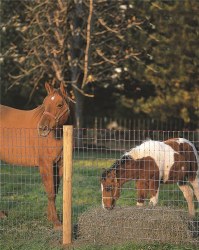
(23, 197)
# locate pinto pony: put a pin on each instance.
(27, 138)
(151, 163)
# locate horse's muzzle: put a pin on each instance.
(111, 206)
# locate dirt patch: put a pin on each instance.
(137, 225)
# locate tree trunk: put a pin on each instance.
(79, 108)
(75, 55)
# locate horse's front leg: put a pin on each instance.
(47, 174)
(154, 192)
(142, 191)
(58, 173)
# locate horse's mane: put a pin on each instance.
(116, 165)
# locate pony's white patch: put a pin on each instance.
(162, 154)
(52, 98)
(102, 188)
(140, 204)
(154, 199)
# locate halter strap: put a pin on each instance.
(59, 116)
(116, 188)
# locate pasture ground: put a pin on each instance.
(23, 197)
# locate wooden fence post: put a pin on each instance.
(67, 183)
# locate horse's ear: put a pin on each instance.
(49, 88)
(63, 91)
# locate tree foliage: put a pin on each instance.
(135, 58)
(175, 61)
(41, 53)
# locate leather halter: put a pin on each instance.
(116, 188)
(57, 117)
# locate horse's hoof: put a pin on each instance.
(58, 226)
(3, 214)
(192, 216)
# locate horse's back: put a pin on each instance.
(16, 136)
(15, 118)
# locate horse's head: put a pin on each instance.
(56, 110)
(110, 189)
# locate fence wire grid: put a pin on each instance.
(23, 201)
(98, 149)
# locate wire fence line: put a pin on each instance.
(109, 139)
(140, 123)
(23, 200)
(96, 149)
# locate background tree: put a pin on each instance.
(136, 58)
(42, 55)
(52, 47)
(161, 80)
(175, 61)
(119, 57)
(11, 46)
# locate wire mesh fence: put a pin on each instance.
(138, 123)
(23, 200)
(168, 222)
(23, 197)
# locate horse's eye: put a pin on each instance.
(60, 105)
(108, 188)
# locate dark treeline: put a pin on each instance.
(124, 58)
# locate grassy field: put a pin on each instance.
(22, 196)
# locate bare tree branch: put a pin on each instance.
(81, 91)
(103, 23)
(87, 44)
(100, 53)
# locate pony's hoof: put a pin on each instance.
(151, 205)
(140, 204)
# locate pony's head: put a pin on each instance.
(56, 110)
(110, 188)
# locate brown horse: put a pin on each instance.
(152, 163)
(27, 138)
